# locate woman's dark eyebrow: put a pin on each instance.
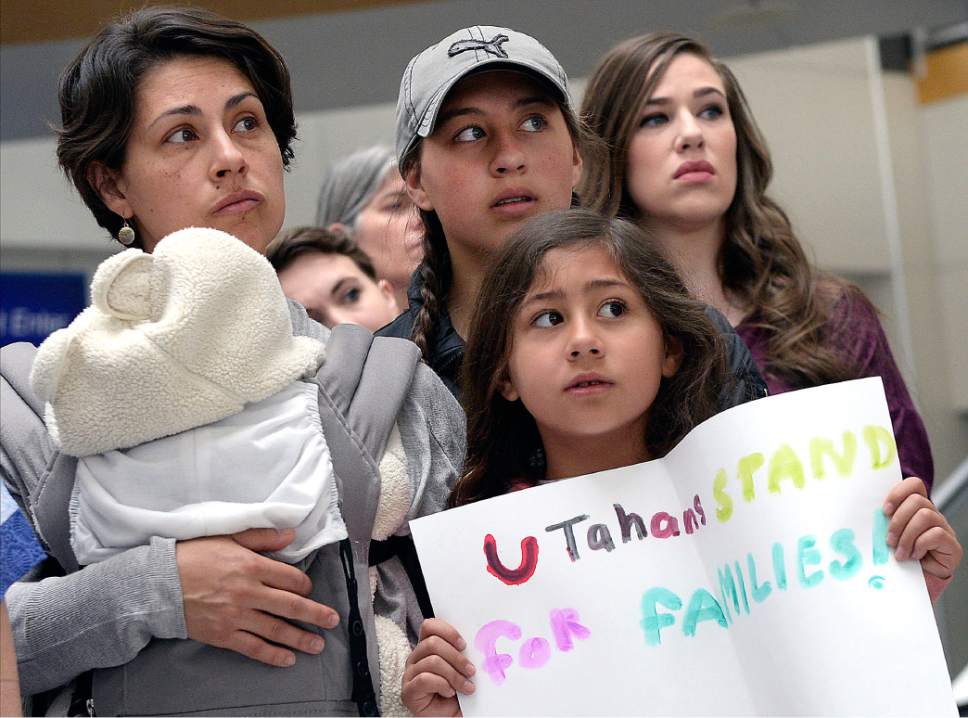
(195, 110)
(701, 92)
(237, 99)
(603, 283)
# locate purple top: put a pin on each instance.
(856, 331)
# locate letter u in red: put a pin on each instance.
(515, 576)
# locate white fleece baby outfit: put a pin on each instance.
(179, 390)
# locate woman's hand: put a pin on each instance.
(918, 530)
(435, 670)
(236, 599)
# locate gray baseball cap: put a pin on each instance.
(432, 73)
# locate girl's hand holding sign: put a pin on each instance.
(918, 530)
(436, 670)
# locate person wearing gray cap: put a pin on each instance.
(486, 138)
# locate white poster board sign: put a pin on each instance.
(746, 573)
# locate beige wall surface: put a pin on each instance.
(929, 262)
(814, 106)
(943, 131)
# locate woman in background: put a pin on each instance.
(687, 161)
(365, 194)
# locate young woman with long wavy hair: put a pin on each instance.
(687, 161)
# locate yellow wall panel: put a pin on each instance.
(946, 74)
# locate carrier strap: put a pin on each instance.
(363, 384)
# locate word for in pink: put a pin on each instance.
(533, 652)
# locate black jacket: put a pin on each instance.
(445, 346)
(446, 351)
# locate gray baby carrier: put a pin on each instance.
(362, 386)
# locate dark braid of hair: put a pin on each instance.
(435, 275)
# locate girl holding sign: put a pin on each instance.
(587, 354)
(600, 359)
(604, 359)
(687, 161)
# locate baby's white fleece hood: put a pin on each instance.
(172, 340)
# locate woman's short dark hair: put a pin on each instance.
(315, 240)
(98, 89)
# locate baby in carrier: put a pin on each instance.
(181, 390)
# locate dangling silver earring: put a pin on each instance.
(126, 234)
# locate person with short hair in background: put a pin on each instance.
(328, 273)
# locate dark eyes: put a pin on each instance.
(612, 309)
(352, 296)
(181, 136)
(534, 123)
(184, 135)
(547, 319)
(246, 124)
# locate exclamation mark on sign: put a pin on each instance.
(879, 548)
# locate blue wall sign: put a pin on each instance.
(32, 305)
